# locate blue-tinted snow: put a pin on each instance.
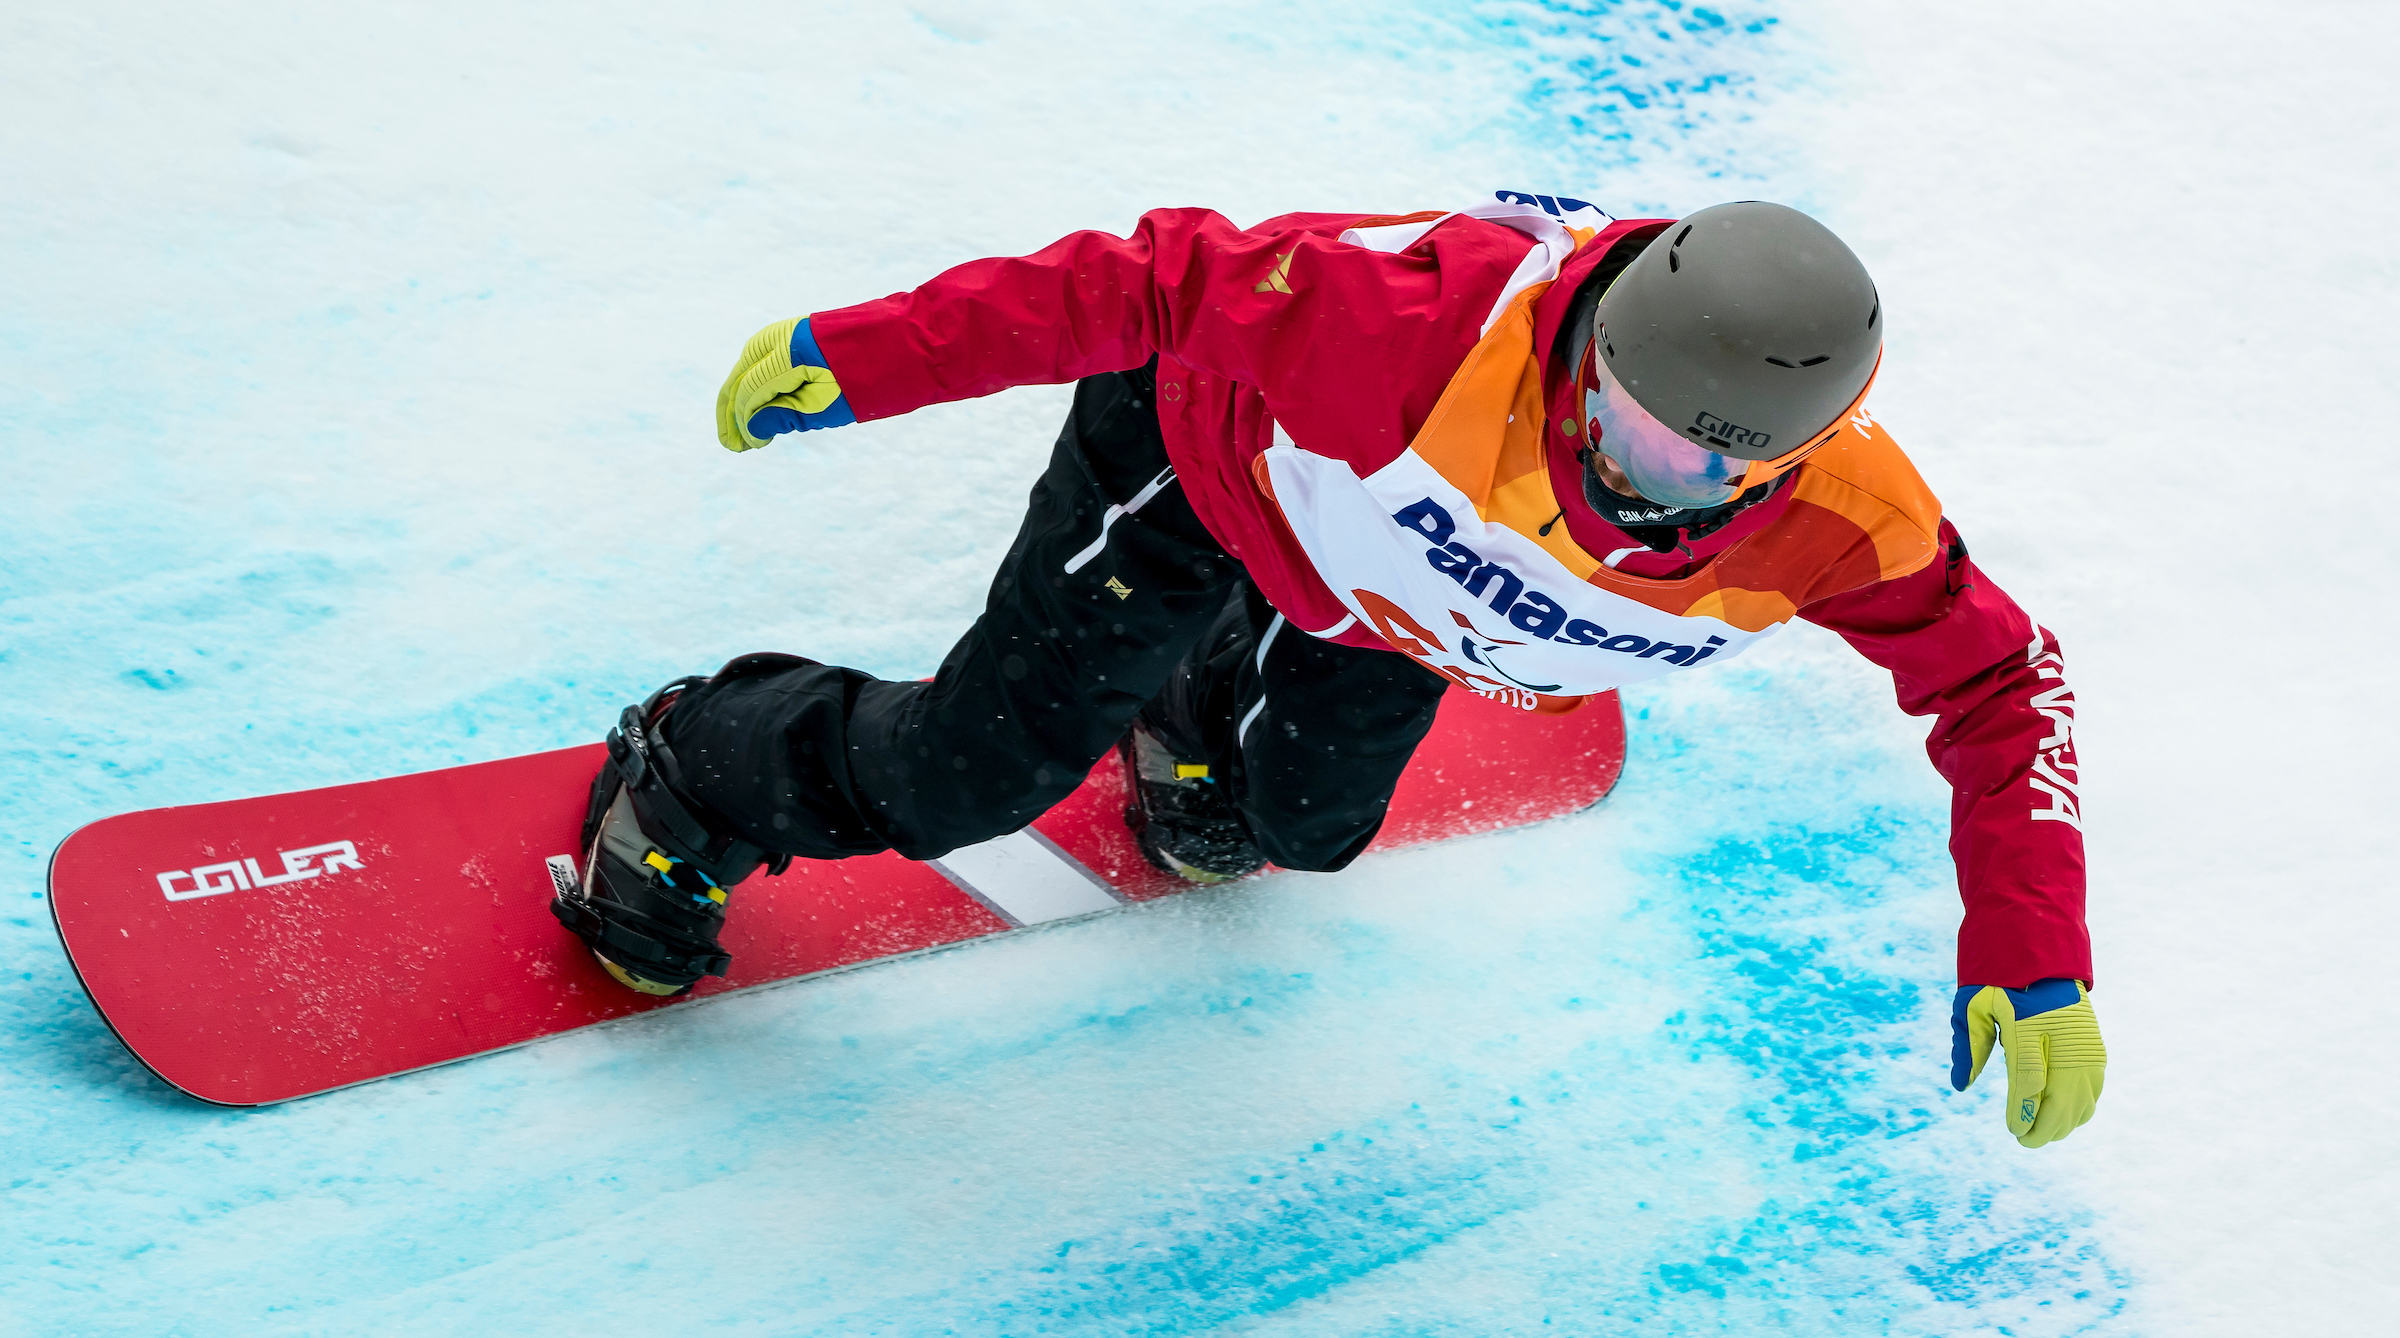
(355, 421)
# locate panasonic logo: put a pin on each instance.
(1528, 610)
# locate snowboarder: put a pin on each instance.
(1316, 472)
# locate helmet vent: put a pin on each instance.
(1781, 363)
(1674, 266)
(1687, 231)
(1804, 362)
(1876, 312)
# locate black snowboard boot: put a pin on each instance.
(1182, 817)
(655, 868)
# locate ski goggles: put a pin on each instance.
(1666, 466)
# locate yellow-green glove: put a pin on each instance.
(780, 384)
(2055, 1059)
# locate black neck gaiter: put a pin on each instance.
(1662, 528)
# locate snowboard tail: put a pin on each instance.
(256, 950)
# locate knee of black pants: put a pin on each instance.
(1074, 637)
(1317, 781)
(1314, 734)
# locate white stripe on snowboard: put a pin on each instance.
(1026, 879)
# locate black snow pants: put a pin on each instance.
(1114, 600)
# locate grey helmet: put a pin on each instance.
(1748, 327)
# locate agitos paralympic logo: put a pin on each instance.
(1530, 611)
(240, 875)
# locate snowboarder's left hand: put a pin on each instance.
(2056, 1061)
(779, 384)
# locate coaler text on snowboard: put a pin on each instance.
(208, 880)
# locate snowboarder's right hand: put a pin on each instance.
(2056, 1061)
(779, 384)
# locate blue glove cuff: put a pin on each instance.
(2045, 996)
(775, 422)
(2042, 996)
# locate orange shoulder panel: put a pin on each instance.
(1859, 514)
(1485, 432)
(1865, 478)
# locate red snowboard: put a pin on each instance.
(257, 950)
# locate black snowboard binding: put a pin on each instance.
(655, 872)
(1183, 818)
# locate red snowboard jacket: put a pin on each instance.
(1285, 326)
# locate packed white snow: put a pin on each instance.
(355, 385)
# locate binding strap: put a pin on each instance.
(665, 948)
(675, 946)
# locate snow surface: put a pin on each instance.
(355, 373)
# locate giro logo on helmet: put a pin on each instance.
(1721, 433)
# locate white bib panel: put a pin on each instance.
(1406, 552)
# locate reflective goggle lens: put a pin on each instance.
(1665, 466)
